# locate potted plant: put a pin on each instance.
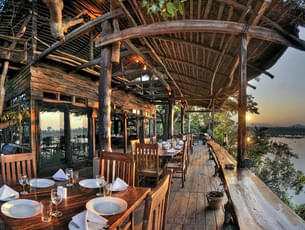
(215, 198)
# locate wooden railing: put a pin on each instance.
(255, 206)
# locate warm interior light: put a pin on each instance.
(144, 67)
(248, 139)
(137, 60)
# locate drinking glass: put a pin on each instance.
(23, 180)
(75, 177)
(69, 173)
(56, 198)
(108, 189)
(46, 210)
(100, 181)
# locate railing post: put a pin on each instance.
(242, 103)
(182, 119)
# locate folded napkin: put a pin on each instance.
(178, 147)
(181, 142)
(119, 185)
(88, 220)
(171, 150)
(7, 193)
(60, 175)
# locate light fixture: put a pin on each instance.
(144, 67)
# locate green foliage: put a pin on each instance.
(165, 7)
(271, 162)
(223, 125)
(300, 210)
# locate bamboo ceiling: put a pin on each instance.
(200, 67)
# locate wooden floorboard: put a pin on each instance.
(188, 206)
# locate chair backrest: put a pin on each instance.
(184, 154)
(15, 165)
(133, 145)
(147, 156)
(156, 204)
(147, 140)
(115, 165)
(154, 140)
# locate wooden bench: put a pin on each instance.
(255, 206)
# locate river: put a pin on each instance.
(297, 145)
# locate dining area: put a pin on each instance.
(107, 200)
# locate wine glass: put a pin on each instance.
(23, 180)
(69, 173)
(100, 181)
(56, 198)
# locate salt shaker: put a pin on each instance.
(63, 191)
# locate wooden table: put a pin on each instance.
(164, 153)
(74, 204)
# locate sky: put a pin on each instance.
(281, 100)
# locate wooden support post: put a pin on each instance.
(91, 134)
(170, 119)
(34, 28)
(142, 130)
(182, 119)
(125, 117)
(155, 125)
(138, 127)
(242, 103)
(188, 123)
(213, 113)
(67, 132)
(91, 46)
(104, 112)
(35, 131)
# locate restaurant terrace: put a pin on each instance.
(79, 89)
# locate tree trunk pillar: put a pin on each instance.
(188, 123)
(170, 120)
(242, 103)
(182, 119)
(125, 132)
(67, 132)
(105, 93)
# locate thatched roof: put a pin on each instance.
(200, 67)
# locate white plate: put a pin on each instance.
(22, 208)
(88, 183)
(107, 205)
(41, 183)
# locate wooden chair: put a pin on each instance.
(156, 204)
(154, 140)
(133, 145)
(15, 165)
(147, 140)
(113, 165)
(179, 167)
(147, 162)
(119, 165)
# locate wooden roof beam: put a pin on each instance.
(81, 30)
(300, 42)
(97, 61)
(194, 26)
(147, 43)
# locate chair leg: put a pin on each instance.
(182, 179)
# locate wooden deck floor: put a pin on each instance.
(188, 206)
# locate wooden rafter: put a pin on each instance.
(77, 33)
(192, 44)
(97, 61)
(146, 42)
(194, 26)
